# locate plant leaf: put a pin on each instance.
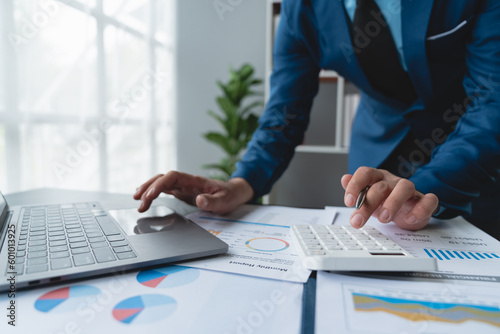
(246, 71)
(225, 124)
(227, 106)
(220, 140)
(250, 107)
(239, 122)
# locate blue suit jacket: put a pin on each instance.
(452, 51)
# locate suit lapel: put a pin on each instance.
(336, 42)
(414, 21)
(337, 47)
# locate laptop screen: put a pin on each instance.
(3, 211)
(3, 203)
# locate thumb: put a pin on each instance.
(217, 203)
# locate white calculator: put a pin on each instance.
(344, 248)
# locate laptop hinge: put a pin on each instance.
(5, 229)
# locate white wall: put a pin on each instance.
(208, 42)
(206, 46)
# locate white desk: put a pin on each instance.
(203, 301)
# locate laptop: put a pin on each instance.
(42, 244)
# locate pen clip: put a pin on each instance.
(361, 197)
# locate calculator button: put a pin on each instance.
(330, 242)
(392, 247)
(311, 242)
(319, 229)
(373, 248)
(333, 247)
(314, 247)
(353, 247)
(315, 252)
(349, 242)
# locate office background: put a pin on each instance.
(101, 95)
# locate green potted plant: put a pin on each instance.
(236, 118)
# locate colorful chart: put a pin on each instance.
(418, 310)
(67, 298)
(443, 254)
(214, 232)
(144, 309)
(168, 277)
(266, 244)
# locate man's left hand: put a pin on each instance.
(389, 198)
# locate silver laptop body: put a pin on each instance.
(42, 244)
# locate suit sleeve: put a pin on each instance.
(469, 159)
(294, 83)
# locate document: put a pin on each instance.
(259, 240)
(462, 250)
(172, 299)
(351, 304)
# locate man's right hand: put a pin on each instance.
(220, 197)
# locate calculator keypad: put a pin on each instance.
(320, 239)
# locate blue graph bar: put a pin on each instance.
(437, 255)
(443, 254)
(473, 256)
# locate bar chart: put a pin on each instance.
(445, 254)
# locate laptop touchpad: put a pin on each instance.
(156, 219)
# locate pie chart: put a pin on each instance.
(266, 244)
(168, 277)
(67, 298)
(144, 309)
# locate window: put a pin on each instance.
(86, 94)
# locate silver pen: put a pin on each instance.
(361, 197)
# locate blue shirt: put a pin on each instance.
(391, 9)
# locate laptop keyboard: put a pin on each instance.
(57, 237)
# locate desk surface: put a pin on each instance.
(217, 302)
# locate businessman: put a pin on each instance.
(426, 137)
